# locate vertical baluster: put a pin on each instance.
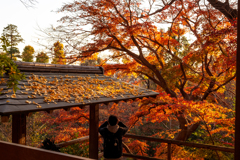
(19, 128)
(93, 131)
(169, 151)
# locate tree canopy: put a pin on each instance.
(27, 54)
(193, 75)
(188, 72)
(11, 37)
(42, 57)
(59, 57)
(9, 67)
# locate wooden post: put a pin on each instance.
(19, 129)
(169, 151)
(4, 119)
(237, 113)
(93, 131)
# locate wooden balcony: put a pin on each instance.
(13, 151)
(22, 152)
(169, 142)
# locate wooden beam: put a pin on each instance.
(81, 107)
(66, 109)
(169, 151)
(4, 119)
(11, 151)
(93, 131)
(237, 113)
(79, 140)
(49, 111)
(19, 128)
(117, 102)
(133, 99)
(106, 103)
(154, 96)
(29, 114)
(126, 148)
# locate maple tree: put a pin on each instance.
(189, 78)
(63, 126)
(225, 7)
(189, 74)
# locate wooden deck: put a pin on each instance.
(12, 151)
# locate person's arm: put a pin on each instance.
(100, 129)
(123, 126)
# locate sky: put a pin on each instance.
(28, 19)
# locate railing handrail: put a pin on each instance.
(78, 140)
(13, 151)
(168, 141)
(197, 145)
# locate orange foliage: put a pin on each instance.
(65, 125)
(191, 75)
(138, 147)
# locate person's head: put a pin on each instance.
(112, 120)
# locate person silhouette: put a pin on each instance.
(112, 132)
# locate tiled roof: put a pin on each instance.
(45, 67)
(49, 86)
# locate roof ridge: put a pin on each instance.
(47, 67)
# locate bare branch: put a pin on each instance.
(29, 3)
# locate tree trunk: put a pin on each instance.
(186, 131)
(224, 8)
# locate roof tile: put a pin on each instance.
(50, 86)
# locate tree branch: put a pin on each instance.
(224, 8)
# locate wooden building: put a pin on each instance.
(48, 87)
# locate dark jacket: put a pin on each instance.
(112, 152)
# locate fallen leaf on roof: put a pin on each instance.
(39, 106)
(28, 102)
(67, 89)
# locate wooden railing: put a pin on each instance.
(13, 151)
(169, 142)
